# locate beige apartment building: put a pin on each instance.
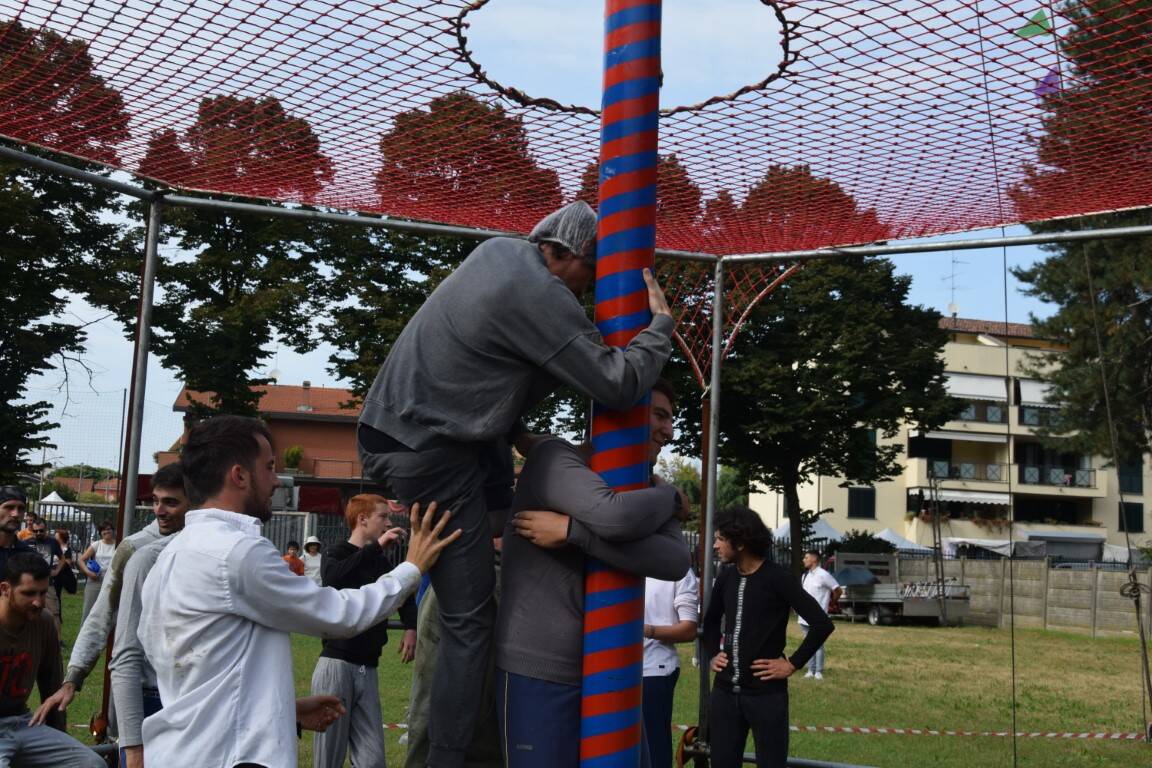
(988, 465)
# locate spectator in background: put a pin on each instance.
(168, 507)
(823, 587)
(100, 552)
(312, 558)
(292, 557)
(30, 653)
(49, 549)
(13, 504)
(65, 581)
(347, 667)
(26, 531)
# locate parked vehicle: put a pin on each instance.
(887, 602)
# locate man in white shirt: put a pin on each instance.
(820, 584)
(218, 607)
(671, 615)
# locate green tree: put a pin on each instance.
(1101, 288)
(464, 154)
(56, 237)
(832, 358)
(731, 488)
(83, 470)
(377, 279)
(856, 540)
(238, 281)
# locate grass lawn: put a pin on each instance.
(911, 677)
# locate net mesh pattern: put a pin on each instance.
(891, 119)
(883, 120)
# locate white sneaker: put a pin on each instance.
(809, 674)
(819, 675)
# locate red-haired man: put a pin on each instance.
(347, 668)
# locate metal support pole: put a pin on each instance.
(711, 476)
(44, 164)
(384, 222)
(884, 249)
(129, 472)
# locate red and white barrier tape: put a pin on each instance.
(1086, 736)
(1099, 736)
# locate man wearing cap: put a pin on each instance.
(496, 337)
(13, 506)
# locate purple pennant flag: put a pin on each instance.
(1049, 84)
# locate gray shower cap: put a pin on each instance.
(573, 227)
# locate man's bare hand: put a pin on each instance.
(545, 529)
(407, 649)
(772, 669)
(656, 301)
(316, 713)
(719, 662)
(426, 545)
(390, 537)
(57, 701)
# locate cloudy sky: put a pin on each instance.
(546, 48)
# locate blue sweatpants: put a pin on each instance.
(540, 723)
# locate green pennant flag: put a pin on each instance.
(1037, 25)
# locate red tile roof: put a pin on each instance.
(989, 327)
(286, 400)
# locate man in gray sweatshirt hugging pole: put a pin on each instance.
(496, 337)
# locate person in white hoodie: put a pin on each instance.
(218, 607)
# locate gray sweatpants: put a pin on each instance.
(361, 731)
(41, 746)
(454, 475)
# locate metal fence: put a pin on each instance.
(80, 520)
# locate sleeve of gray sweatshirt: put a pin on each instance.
(663, 555)
(614, 377)
(129, 667)
(93, 635)
(563, 482)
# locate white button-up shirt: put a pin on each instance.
(218, 608)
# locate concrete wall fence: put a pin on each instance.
(1039, 596)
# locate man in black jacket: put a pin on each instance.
(347, 668)
(745, 629)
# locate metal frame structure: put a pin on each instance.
(159, 198)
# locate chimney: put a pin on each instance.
(306, 398)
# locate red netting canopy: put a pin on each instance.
(883, 119)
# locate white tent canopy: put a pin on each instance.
(59, 508)
(820, 530)
(901, 543)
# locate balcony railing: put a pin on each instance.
(1057, 476)
(340, 468)
(969, 470)
(989, 413)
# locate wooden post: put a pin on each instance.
(1044, 594)
(1003, 580)
(1095, 596)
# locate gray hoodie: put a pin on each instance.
(496, 337)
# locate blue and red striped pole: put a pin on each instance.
(611, 715)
